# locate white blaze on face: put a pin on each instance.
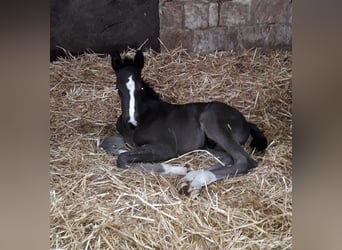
(131, 88)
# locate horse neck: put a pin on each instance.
(150, 102)
(150, 95)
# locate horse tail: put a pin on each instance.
(259, 141)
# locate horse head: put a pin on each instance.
(129, 83)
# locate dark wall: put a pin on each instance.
(102, 25)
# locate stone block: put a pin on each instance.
(234, 13)
(172, 38)
(290, 13)
(210, 39)
(171, 15)
(213, 14)
(250, 36)
(232, 38)
(271, 11)
(196, 15)
(280, 35)
(242, 1)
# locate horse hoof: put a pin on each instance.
(183, 188)
(194, 194)
(122, 166)
(113, 145)
(121, 162)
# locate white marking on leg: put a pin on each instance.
(98, 142)
(198, 179)
(121, 151)
(171, 169)
(131, 88)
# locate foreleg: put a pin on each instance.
(126, 130)
(149, 157)
(113, 145)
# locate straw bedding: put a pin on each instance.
(95, 205)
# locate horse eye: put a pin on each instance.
(142, 88)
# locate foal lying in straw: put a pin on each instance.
(158, 131)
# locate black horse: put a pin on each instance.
(158, 131)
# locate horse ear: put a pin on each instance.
(116, 60)
(139, 59)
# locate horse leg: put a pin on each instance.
(117, 144)
(113, 145)
(234, 159)
(146, 156)
(126, 130)
(202, 177)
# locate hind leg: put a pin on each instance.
(203, 177)
(234, 159)
(220, 133)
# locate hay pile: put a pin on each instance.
(95, 205)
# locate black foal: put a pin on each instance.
(159, 131)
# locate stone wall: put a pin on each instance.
(198, 25)
(209, 25)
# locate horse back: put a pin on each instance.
(174, 125)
